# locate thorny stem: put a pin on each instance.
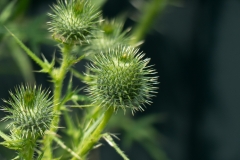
(151, 12)
(90, 141)
(58, 78)
(28, 151)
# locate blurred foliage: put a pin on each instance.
(30, 30)
(141, 131)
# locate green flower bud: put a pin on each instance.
(16, 141)
(121, 79)
(73, 21)
(30, 111)
(111, 36)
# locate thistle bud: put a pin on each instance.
(30, 111)
(110, 36)
(121, 79)
(73, 21)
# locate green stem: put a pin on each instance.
(28, 151)
(151, 12)
(90, 141)
(58, 84)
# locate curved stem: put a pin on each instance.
(151, 12)
(90, 141)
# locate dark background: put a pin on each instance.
(195, 46)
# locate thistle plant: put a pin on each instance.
(30, 115)
(117, 76)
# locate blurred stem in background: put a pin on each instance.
(150, 12)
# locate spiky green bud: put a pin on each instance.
(73, 21)
(121, 79)
(30, 111)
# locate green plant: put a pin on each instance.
(117, 77)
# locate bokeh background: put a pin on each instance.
(195, 46)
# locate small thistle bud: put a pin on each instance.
(30, 111)
(110, 37)
(73, 21)
(121, 79)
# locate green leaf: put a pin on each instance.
(89, 130)
(22, 61)
(111, 142)
(61, 144)
(4, 136)
(45, 67)
(6, 13)
(15, 158)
